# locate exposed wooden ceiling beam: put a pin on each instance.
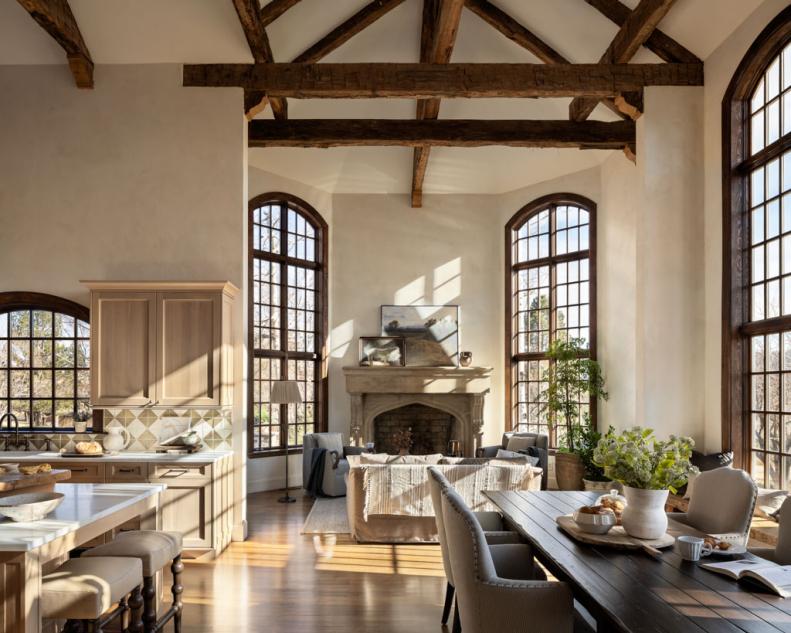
(441, 132)
(633, 33)
(425, 81)
(441, 20)
(56, 18)
(662, 45)
(250, 18)
(342, 33)
(517, 33)
(271, 11)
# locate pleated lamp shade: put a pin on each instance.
(285, 392)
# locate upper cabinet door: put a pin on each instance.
(189, 344)
(123, 348)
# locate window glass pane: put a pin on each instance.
(757, 132)
(758, 97)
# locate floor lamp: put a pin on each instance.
(286, 392)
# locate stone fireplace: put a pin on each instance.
(431, 428)
(425, 395)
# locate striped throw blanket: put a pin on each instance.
(404, 489)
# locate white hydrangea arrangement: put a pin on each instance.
(637, 459)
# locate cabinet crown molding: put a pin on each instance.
(225, 287)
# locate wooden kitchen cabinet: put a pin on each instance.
(161, 343)
(123, 348)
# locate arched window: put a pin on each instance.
(287, 320)
(44, 361)
(550, 294)
(757, 272)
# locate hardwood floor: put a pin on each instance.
(281, 581)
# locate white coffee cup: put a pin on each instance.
(692, 548)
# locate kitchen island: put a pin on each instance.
(198, 501)
(29, 550)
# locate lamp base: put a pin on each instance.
(286, 499)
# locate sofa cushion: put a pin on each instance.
(384, 458)
(330, 441)
(517, 444)
(514, 457)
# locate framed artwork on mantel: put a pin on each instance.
(381, 351)
(431, 333)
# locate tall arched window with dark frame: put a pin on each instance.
(287, 320)
(550, 294)
(44, 361)
(756, 412)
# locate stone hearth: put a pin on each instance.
(456, 391)
(432, 429)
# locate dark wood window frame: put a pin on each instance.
(321, 325)
(737, 162)
(37, 301)
(519, 218)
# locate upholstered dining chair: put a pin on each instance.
(491, 522)
(722, 503)
(487, 600)
(781, 553)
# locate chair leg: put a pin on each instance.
(93, 626)
(149, 605)
(456, 619)
(123, 611)
(136, 611)
(448, 603)
(177, 589)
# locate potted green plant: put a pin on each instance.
(648, 468)
(587, 440)
(81, 419)
(571, 377)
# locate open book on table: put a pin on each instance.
(773, 576)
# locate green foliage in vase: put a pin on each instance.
(637, 459)
(572, 376)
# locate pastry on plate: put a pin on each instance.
(35, 469)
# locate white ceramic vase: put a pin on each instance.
(644, 515)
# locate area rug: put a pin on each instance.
(327, 516)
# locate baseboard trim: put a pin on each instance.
(239, 532)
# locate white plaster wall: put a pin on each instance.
(719, 68)
(137, 179)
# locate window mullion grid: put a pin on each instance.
(284, 213)
(551, 418)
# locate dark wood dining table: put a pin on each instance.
(631, 591)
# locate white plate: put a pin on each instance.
(732, 551)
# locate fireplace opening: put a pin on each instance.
(432, 429)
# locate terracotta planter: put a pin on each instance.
(569, 471)
(644, 515)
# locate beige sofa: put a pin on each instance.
(391, 502)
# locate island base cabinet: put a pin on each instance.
(186, 509)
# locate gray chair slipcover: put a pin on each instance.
(722, 503)
(781, 553)
(489, 602)
(541, 441)
(335, 464)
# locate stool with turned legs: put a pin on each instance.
(83, 592)
(155, 550)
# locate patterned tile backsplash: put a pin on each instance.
(144, 426)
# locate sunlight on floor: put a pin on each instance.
(403, 560)
(253, 554)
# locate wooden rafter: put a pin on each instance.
(55, 17)
(426, 81)
(250, 18)
(633, 33)
(662, 45)
(519, 34)
(438, 36)
(448, 133)
(271, 11)
(342, 33)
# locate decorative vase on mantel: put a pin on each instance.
(644, 515)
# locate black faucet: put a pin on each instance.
(11, 417)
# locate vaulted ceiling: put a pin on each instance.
(209, 31)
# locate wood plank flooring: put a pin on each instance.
(281, 581)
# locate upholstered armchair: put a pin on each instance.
(332, 479)
(487, 600)
(781, 553)
(721, 502)
(539, 440)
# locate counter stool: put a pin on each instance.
(155, 550)
(83, 590)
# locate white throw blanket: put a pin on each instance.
(404, 489)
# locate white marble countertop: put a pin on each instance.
(201, 457)
(82, 505)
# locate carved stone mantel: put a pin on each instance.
(460, 391)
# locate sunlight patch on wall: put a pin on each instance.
(340, 338)
(447, 282)
(412, 293)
